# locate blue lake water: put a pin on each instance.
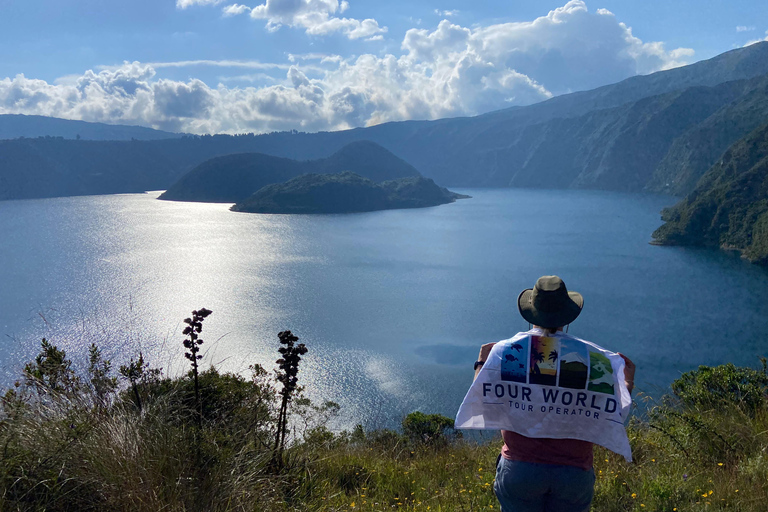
(392, 305)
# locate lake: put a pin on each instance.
(392, 305)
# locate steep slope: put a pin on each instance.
(693, 153)
(613, 149)
(729, 207)
(13, 126)
(433, 146)
(739, 64)
(233, 178)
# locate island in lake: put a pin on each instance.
(234, 178)
(360, 177)
(345, 192)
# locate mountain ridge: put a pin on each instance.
(13, 126)
(607, 138)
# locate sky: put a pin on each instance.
(218, 66)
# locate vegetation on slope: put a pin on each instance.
(73, 441)
(729, 207)
(233, 178)
(700, 147)
(345, 192)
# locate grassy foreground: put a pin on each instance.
(75, 441)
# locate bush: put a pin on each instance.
(725, 384)
(418, 426)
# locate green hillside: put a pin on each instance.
(729, 207)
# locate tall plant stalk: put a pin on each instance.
(192, 343)
(287, 375)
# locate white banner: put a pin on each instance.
(555, 386)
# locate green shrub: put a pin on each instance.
(724, 384)
(418, 426)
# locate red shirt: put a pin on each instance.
(562, 452)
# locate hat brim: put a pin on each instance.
(564, 316)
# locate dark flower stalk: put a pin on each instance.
(287, 375)
(192, 343)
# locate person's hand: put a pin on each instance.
(629, 372)
(484, 351)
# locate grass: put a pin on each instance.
(63, 446)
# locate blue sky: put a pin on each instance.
(210, 66)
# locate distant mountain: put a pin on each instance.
(729, 206)
(658, 132)
(344, 192)
(517, 146)
(53, 167)
(13, 126)
(233, 178)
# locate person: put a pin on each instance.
(542, 474)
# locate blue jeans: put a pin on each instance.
(528, 487)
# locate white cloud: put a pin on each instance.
(744, 28)
(322, 57)
(254, 78)
(316, 17)
(450, 70)
(447, 13)
(758, 40)
(183, 4)
(249, 64)
(572, 49)
(235, 9)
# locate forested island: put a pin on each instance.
(345, 192)
(234, 178)
(360, 177)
